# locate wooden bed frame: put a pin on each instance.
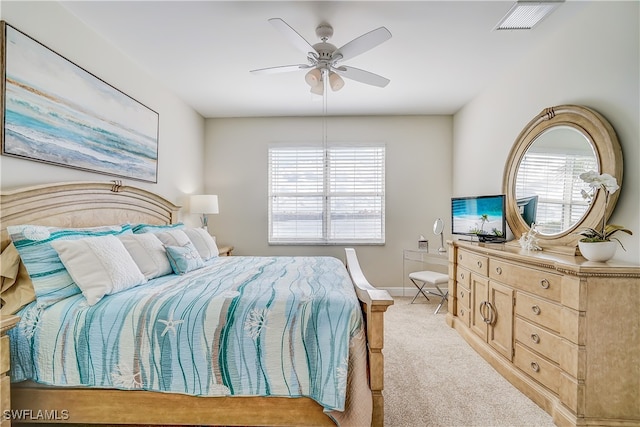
(84, 204)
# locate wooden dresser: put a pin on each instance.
(6, 323)
(564, 331)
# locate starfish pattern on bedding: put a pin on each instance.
(255, 322)
(30, 320)
(124, 377)
(170, 324)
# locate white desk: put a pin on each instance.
(419, 260)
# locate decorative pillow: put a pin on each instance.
(51, 281)
(148, 253)
(16, 290)
(174, 238)
(99, 265)
(184, 259)
(203, 242)
(154, 228)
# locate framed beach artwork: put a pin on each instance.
(56, 112)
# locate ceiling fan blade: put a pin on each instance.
(281, 69)
(362, 44)
(292, 35)
(362, 76)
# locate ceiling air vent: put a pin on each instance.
(525, 14)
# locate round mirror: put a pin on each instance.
(548, 185)
(542, 175)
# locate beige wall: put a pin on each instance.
(593, 61)
(181, 132)
(418, 184)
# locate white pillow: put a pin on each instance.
(204, 243)
(148, 253)
(99, 265)
(173, 238)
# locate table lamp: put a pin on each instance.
(204, 204)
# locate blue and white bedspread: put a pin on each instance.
(267, 326)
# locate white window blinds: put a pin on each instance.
(332, 195)
(555, 178)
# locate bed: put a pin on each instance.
(127, 398)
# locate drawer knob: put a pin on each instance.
(535, 338)
(462, 276)
(535, 367)
(544, 283)
(461, 294)
(460, 257)
(461, 313)
(498, 270)
(479, 264)
(535, 309)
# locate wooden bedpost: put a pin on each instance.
(374, 303)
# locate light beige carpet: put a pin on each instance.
(434, 378)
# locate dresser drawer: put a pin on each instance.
(464, 315)
(538, 282)
(473, 262)
(538, 339)
(463, 296)
(538, 368)
(4, 354)
(539, 311)
(463, 277)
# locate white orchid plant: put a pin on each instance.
(609, 185)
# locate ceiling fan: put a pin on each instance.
(324, 59)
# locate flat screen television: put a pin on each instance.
(479, 216)
(528, 206)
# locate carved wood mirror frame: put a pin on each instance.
(602, 137)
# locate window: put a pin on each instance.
(332, 195)
(555, 178)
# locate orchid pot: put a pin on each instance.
(598, 251)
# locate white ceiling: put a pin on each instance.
(441, 55)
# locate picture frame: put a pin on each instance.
(56, 112)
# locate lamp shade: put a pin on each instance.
(318, 89)
(313, 77)
(335, 81)
(204, 203)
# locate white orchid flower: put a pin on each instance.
(589, 177)
(596, 181)
(609, 183)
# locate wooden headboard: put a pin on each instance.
(83, 204)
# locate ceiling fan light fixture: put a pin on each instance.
(318, 89)
(526, 14)
(335, 81)
(313, 77)
(323, 57)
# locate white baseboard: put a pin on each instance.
(399, 292)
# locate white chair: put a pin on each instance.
(430, 284)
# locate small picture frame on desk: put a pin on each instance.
(423, 245)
